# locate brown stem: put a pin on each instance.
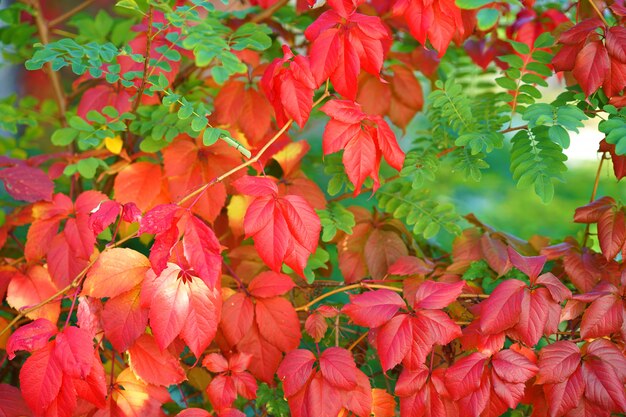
(42, 29)
(594, 191)
(60, 19)
(598, 12)
(146, 62)
(267, 13)
(356, 342)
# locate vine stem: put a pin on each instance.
(60, 19)
(42, 28)
(598, 12)
(356, 342)
(146, 62)
(594, 192)
(308, 305)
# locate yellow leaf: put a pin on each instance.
(114, 145)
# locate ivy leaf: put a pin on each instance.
(342, 43)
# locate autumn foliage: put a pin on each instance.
(191, 237)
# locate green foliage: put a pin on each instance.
(525, 72)
(536, 160)
(420, 166)
(559, 119)
(423, 214)
(615, 128)
(335, 217)
(273, 399)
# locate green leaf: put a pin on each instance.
(559, 136)
(472, 4)
(486, 18)
(335, 217)
(212, 135)
(198, 123)
(63, 137)
(520, 47)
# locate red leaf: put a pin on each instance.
(41, 379)
(363, 144)
(616, 42)
(382, 249)
(139, 183)
(169, 299)
(202, 250)
(215, 362)
(529, 265)
(321, 399)
(27, 183)
(557, 362)
(153, 365)
(591, 66)
(33, 288)
(74, 351)
(11, 402)
(237, 317)
(393, 341)
(116, 271)
(256, 186)
(558, 291)
(465, 376)
(437, 21)
(429, 327)
(609, 353)
(270, 284)
(124, 319)
(204, 316)
(592, 212)
(566, 395)
(602, 386)
(410, 265)
(612, 232)
(580, 32)
(436, 295)
(222, 392)
(194, 412)
(410, 382)
(239, 105)
(289, 85)
(278, 323)
(373, 308)
(295, 370)
(343, 45)
(316, 326)
(285, 229)
(159, 219)
(265, 356)
(30, 337)
(162, 248)
(513, 367)
(603, 317)
(502, 309)
(338, 368)
(104, 215)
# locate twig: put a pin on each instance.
(269, 12)
(146, 62)
(598, 12)
(594, 191)
(56, 21)
(356, 342)
(42, 29)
